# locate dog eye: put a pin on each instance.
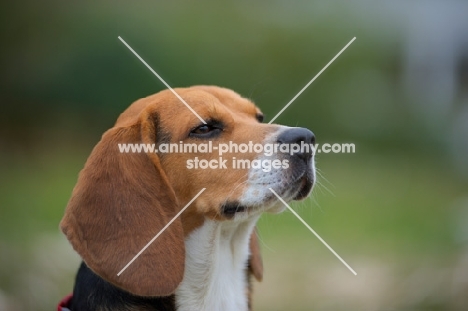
(205, 131)
(259, 117)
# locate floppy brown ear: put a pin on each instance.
(120, 202)
(255, 260)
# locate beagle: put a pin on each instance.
(205, 259)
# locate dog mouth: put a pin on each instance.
(230, 209)
(305, 186)
(296, 190)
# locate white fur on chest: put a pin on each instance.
(215, 267)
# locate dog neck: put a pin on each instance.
(215, 276)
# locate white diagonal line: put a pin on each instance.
(160, 232)
(313, 79)
(315, 233)
(162, 80)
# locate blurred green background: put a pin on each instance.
(396, 210)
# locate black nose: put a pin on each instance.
(300, 136)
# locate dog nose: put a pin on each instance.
(299, 136)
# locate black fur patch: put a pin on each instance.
(92, 293)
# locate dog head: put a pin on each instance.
(123, 199)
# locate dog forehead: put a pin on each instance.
(206, 101)
(203, 99)
(230, 99)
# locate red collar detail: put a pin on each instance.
(65, 303)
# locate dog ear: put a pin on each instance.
(120, 202)
(255, 260)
